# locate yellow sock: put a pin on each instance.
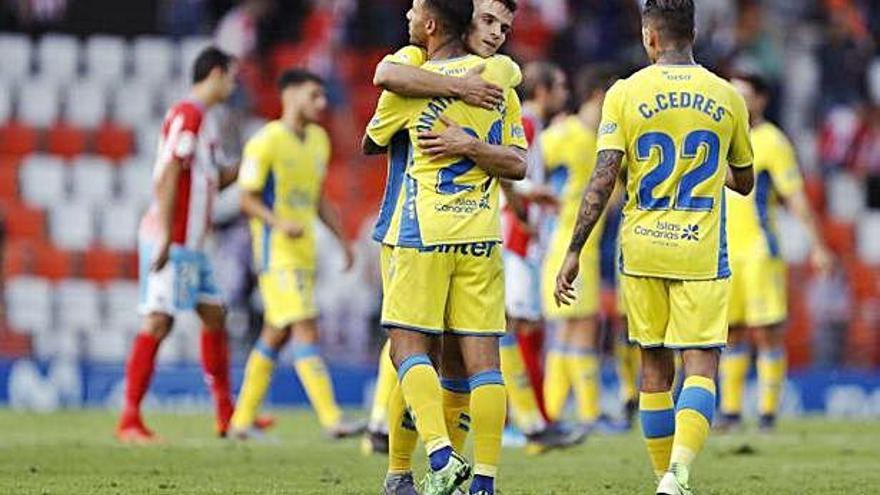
(583, 372)
(421, 390)
(402, 435)
(313, 374)
(733, 370)
(523, 404)
(488, 412)
(386, 379)
(456, 410)
(696, 406)
(556, 383)
(657, 415)
(771, 379)
(257, 377)
(628, 359)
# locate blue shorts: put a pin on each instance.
(186, 281)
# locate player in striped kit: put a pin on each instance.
(175, 274)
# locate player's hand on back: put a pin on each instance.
(453, 141)
(476, 91)
(290, 229)
(564, 293)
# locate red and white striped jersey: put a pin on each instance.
(186, 137)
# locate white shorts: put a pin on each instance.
(522, 283)
(184, 282)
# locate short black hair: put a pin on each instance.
(455, 16)
(674, 18)
(593, 78)
(510, 4)
(297, 76)
(758, 83)
(209, 59)
(537, 75)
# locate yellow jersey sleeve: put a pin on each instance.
(256, 162)
(550, 149)
(502, 71)
(612, 135)
(408, 55)
(392, 114)
(514, 133)
(740, 153)
(783, 168)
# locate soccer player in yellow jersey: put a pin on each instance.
(758, 287)
(681, 133)
(444, 272)
(569, 149)
(281, 181)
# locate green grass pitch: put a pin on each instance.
(74, 453)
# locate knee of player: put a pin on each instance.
(656, 377)
(213, 316)
(158, 325)
(305, 332)
(275, 338)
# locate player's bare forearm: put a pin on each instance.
(252, 205)
(414, 82)
(596, 197)
(369, 147)
(506, 162)
(166, 191)
(741, 179)
(329, 215)
(418, 83)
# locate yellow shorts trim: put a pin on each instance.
(288, 296)
(679, 314)
(456, 289)
(758, 292)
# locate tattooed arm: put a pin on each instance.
(593, 204)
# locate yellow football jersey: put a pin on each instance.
(680, 127)
(752, 219)
(289, 173)
(431, 201)
(569, 150)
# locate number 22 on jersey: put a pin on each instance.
(670, 158)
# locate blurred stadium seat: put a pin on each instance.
(134, 103)
(43, 180)
(105, 57)
(153, 58)
(16, 52)
(5, 101)
(118, 224)
(72, 225)
(78, 305)
(58, 57)
(29, 303)
(86, 103)
(38, 102)
(17, 138)
(66, 141)
(93, 179)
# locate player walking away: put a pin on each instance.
(681, 132)
(281, 181)
(758, 286)
(444, 273)
(570, 156)
(175, 273)
(545, 94)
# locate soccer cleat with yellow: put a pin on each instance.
(445, 481)
(675, 481)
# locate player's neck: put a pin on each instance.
(756, 120)
(295, 123)
(676, 55)
(202, 94)
(439, 49)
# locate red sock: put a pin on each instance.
(138, 373)
(215, 364)
(531, 345)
